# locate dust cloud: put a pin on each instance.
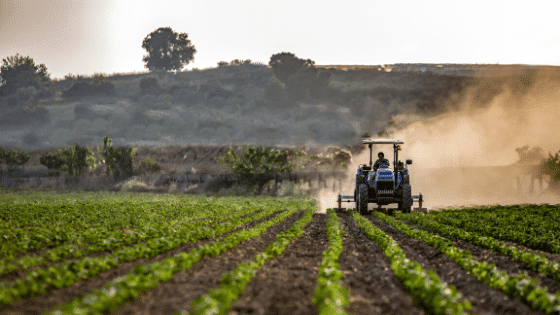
(468, 157)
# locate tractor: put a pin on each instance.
(382, 185)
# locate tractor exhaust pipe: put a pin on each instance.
(370, 156)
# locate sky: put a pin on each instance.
(101, 36)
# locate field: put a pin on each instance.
(117, 253)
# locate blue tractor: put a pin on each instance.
(379, 184)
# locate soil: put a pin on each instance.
(503, 262)
(483, 298)
(184, 287)
(367, 273)
(286, 284)
(46, 302)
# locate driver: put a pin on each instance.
(380, 161)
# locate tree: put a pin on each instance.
(256, 165)
(74, 160)
(284, 65)
(167, 50)
(20, 72)
(301, 78)
(15, 158)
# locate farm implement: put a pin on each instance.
(378, 183)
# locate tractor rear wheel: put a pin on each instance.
(363, 197)
(406, 203)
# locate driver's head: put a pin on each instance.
(380, 155)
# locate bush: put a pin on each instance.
(149, 166)
(149, 86)
(83, 89)
(275, 91)
(14, 158)
(74, 160)
(119, 161)
(551, 167)
(255, 161)
(24, 95)
(148, 101)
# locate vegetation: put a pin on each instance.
(330, 295)
(255, 165)
(425, 286)
(119, 161)
(74, 161)
(520, 286)
(149, 166)
(21, 72)
(302, 80)
(13, 158)
(167, 50)
(551, 167)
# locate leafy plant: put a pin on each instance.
(149, 166)
(119, 161)
(425, 286)
(520, 286)
(74, 160)
(551, 167)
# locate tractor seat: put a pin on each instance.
(366, 168)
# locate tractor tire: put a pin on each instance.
(406, 203)
(363, 197)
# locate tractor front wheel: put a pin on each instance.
(362, 203)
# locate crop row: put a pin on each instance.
(537, 232)
(74, 221)
(426, 287)
(40, 281)
(537, 263)
(330, 296)
(106, 242)
(516, 287)
(145, 277)
(232, 285)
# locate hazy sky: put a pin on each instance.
(102, 36)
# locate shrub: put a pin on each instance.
(149, 86)
(83, 89)
(147, 101)
(255, 161)
(119, 161)
(74, 160)
(551, 167)
(14, 158)
(25, 94)
(149, 166)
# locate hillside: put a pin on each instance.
(221, 106)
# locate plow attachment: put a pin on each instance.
(345, 198)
